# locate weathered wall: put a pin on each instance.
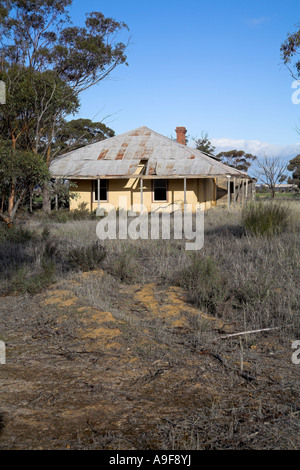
(199, 193)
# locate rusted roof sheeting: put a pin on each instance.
(121, 155)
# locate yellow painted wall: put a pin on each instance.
(83, 191)
(200, 193)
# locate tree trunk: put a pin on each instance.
(46, 199)
(11, 215)
(18, 202)
(46, 188)
(11, 199)
(30, 199)
(6, 220)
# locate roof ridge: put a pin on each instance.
(88, 153)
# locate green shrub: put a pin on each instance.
(204, 284)
(265, 218)
(16, 234)
(25, 282)
(86, 258)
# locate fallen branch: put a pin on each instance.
(247, 332)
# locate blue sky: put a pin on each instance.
(211, 66)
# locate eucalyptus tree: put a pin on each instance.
(35, 104)
(238, 159)
(290, 51)
(204, 145)
(19, 170)
(47, 62)
(39, 34)
(76, 133)
(294, 166)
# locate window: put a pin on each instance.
(160, 190)
(103, 190)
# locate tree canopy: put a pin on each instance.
(39, 34)
(76, 133)
(294, 166)
(204, 145)
(290, 51)
(35, 102)
(48, 62)
(237, 159)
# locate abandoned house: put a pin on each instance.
(142, 167)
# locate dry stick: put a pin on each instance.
(248, 332)
(242, 356)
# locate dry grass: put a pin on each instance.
(129, 355)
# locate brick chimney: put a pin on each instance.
(180, 131)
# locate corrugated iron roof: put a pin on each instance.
(120, 156)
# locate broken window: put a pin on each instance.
(160, 190)
(103, 190)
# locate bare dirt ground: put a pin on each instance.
(96, 364)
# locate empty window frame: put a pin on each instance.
(160, 190)
(103, 190)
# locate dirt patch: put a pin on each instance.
(93, 364)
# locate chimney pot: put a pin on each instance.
(181, 131)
